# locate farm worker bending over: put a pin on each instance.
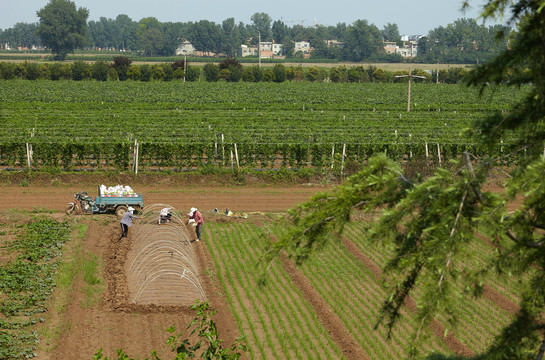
(165, 215)
(195, 217)
(126, 221)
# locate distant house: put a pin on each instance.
(303, 46)
(246, 50)
(268, 50)
(390, 47)
(331, 43)
(408, 50)
(185, 48)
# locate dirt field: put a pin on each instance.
(117, 322)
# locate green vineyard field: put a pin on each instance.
(179, 126)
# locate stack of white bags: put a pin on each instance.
(118, 190)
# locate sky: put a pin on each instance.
(413, 17)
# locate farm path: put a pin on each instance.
(181, 197)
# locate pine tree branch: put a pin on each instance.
(529, 244)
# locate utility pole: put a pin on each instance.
(410, 76)
(259, 50)
(185, 65)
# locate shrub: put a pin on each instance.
(192, 73)
(378, 75)
(178, 64)
(121, 65)
(44, 72)
(224, 74)
(178, 74)
(358, 75)
(312, 74)
(290, 74)
(133, 72)
(32, 70)
(279, 73)
(158, 73)
(230, 63)
(145, 73)
(100, 70)
(339, 74)
(81, 71)
(55, 71)
(248, 74)
(211, 72)
(235, 75)
(66, 72)
(268, 75)
(112, 74)
(258, 73)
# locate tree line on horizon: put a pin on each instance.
(463, 41)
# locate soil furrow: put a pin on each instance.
(338, 332)
(438, 329)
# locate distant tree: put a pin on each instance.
(231, 37)
(390, 32)
(62, 27)
(279, 31)
(362, 41)
(20, 35)
(262, 24)
(151, 41)
(206, 36)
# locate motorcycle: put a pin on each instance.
(83, 204)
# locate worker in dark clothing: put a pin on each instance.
(126, 221)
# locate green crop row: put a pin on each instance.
(277, 320)
(27, 283)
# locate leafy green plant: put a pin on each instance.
(210, 343)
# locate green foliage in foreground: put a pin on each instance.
(27, 283)
(209, 344)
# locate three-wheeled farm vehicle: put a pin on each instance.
(105, 203)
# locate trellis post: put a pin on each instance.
(236, 156)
